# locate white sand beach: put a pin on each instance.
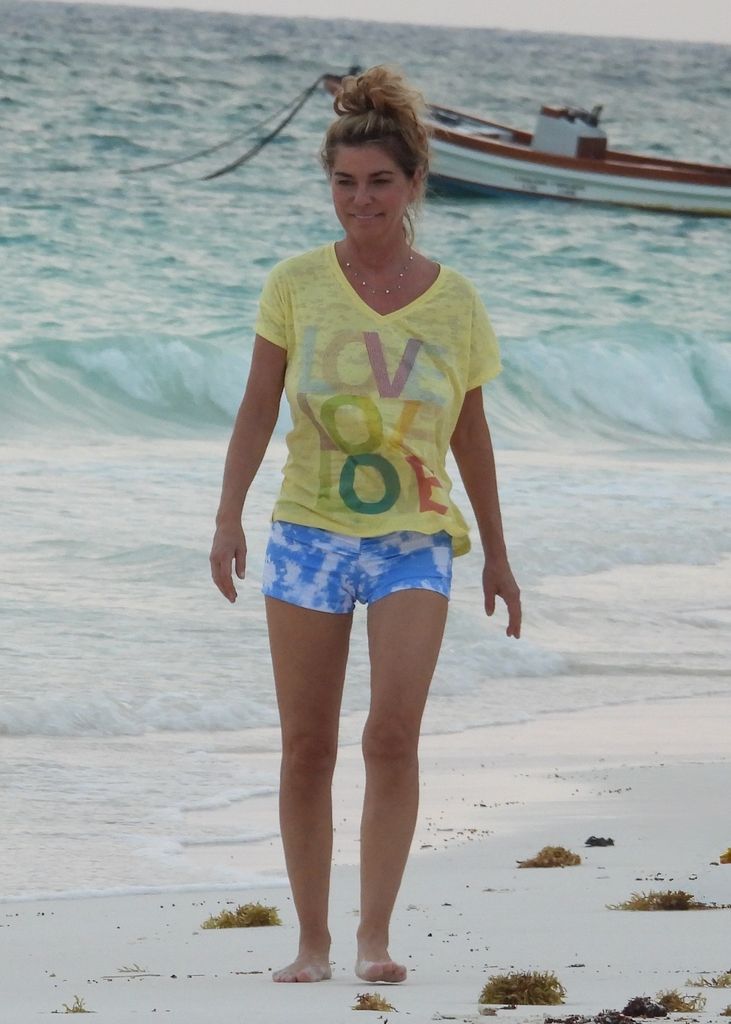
(654, 777)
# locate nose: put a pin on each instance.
(362, 195)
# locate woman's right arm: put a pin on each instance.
(255, 421)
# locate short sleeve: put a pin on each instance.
(484, 349)
(273, 319)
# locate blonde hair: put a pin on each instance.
(378, 107)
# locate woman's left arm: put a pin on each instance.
(472, 448)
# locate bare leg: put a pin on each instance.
(405, 634)
(309, 655)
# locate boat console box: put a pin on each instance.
(565, 131)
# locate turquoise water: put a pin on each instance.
(126, 311)
(127, 297)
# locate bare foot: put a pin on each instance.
(384, 969)
(305, 968)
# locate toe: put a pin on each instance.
(380, 970)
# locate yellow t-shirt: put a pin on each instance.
(374, 398)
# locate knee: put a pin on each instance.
(389, 743)
(305, 755)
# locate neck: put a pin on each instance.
(375, 256)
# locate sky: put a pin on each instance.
(694, 20)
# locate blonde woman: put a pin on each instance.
(382, 354)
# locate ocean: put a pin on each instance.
(132, 695)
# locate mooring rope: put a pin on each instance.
(293, 106)
(299, 103)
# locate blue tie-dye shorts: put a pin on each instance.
(329, 572)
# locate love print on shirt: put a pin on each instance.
(360, 452)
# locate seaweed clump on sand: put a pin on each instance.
(77, 1006)
(676, 1002)
(573, 1018)
(526, 988)
(247, 915)
(371, 1001)
(671, 899)
(725, 858)
(643, 1006)
(603, 1017)
(720, 981)
(552, 857)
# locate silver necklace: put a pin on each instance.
(381, 291)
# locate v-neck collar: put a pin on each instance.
(348, 287)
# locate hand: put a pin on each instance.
(498, 581)
(229, 545)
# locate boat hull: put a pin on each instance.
(458, 169)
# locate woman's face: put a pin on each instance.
(370, 193)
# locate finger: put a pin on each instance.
(515, 616)
(221, 574)
(490, 601)
(240, 559)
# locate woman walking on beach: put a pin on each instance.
(382, 353)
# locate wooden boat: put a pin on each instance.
(567, 157)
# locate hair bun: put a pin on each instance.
(379, 89)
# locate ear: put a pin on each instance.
(417, 181)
